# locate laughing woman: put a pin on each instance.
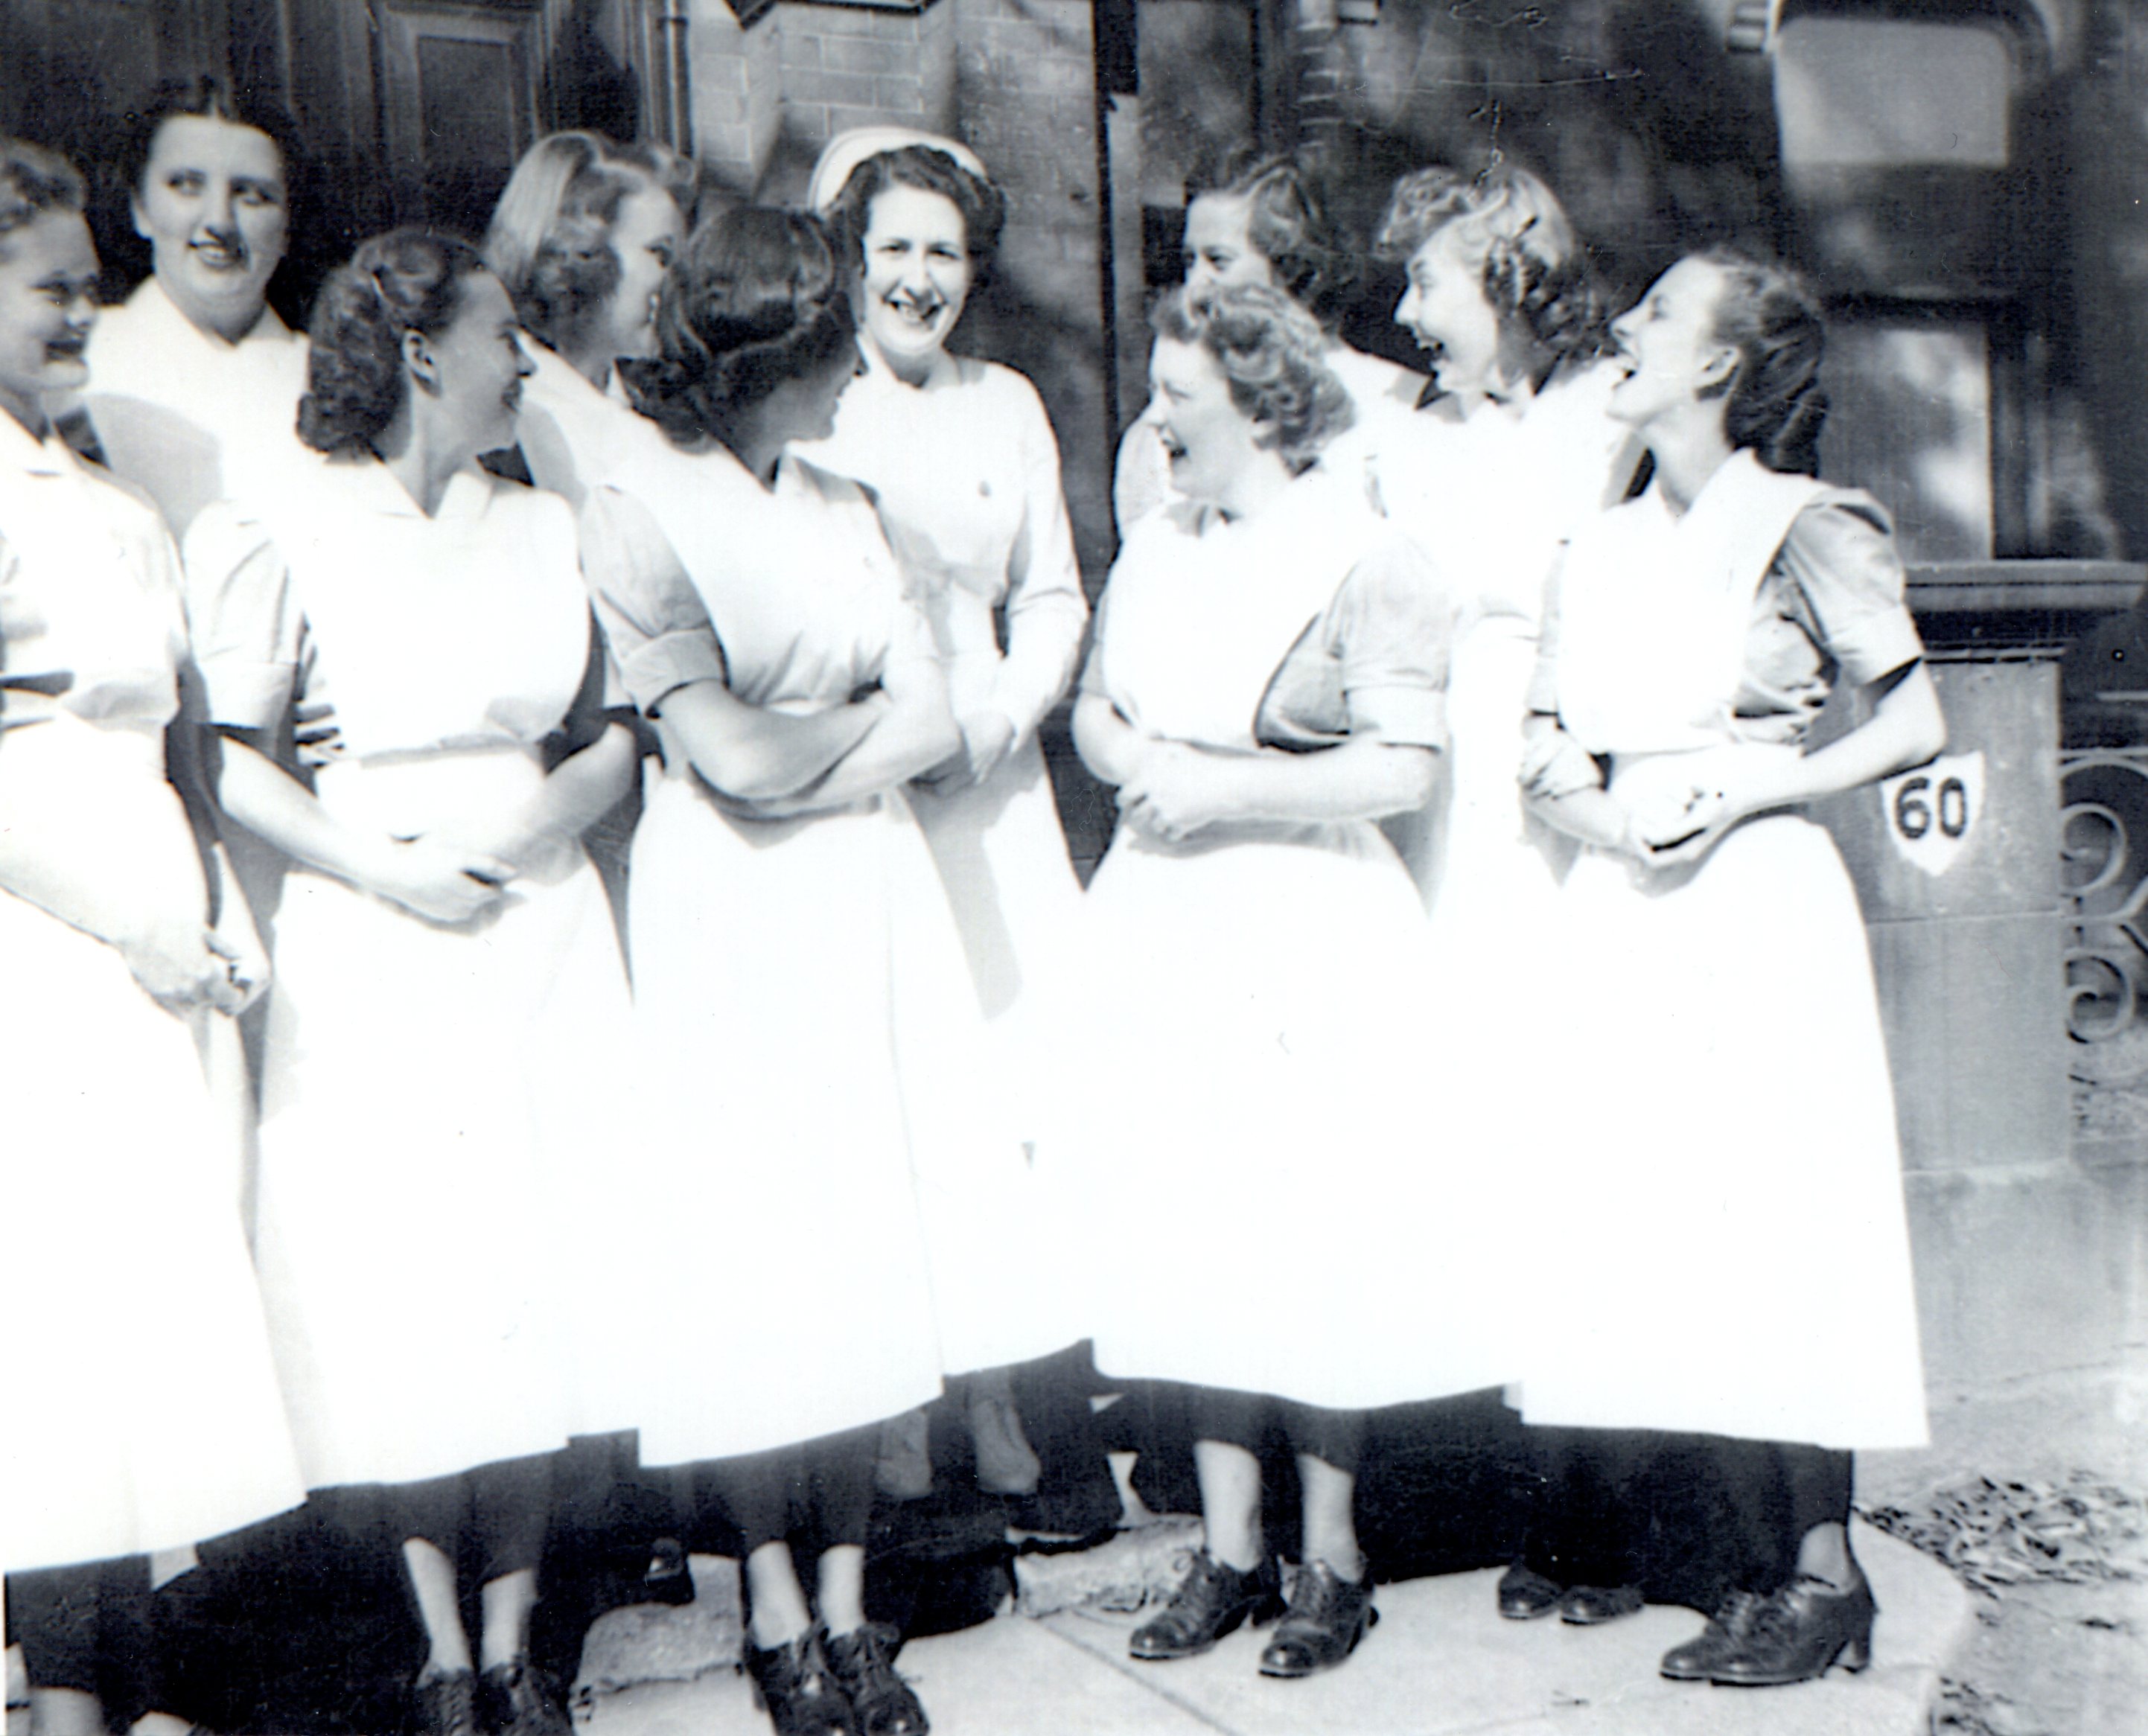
(964, 469)
(447, 961)
(1730, 1181)
(143, 1408)
(1266, 685)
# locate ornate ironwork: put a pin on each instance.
(2103, 840)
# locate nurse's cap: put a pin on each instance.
(845, 151)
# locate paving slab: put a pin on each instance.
(1442, 1663)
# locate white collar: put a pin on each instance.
(24, 453)
(151, 304)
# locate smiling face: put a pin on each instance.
(1211, 443)
(1668, 346)
(645, 235)
(1446, 310)
(916, 274)
(47, 271)
(1218, 244)
(211, 205)
(478, 366)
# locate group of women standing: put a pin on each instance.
(775, 631)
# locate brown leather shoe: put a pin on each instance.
(1800, 1635)
(1525, 1594)
(1591, 1606)
(1726, 1630)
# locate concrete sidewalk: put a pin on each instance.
(1441, 1662)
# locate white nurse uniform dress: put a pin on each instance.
(1246, 1066)
(146, 1413)
(430, 1091)
(794, 979)
(1727, 1250)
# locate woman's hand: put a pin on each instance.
(988, 737)
(1174, 790)
(438, 878)
(182, 965)
(1704, 795)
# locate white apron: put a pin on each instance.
(1246, 1065)
(785, 973)
(1726, 1250)
(432, 1100)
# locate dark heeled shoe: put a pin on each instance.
(1800, 1633)
(882, 1702)
(1591, 1606)
(1525, 1594)
(444, 1704)
(1725, 1632)
(515, 1700)
(1211, 1601)
(793, 1684)
(1329, 1615)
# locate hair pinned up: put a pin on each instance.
(1536, 270)
(755, 300)
(1273, 353)
(34, 181)
(408, 280)
(549, 241)
(1287, 222)
(1775, 406)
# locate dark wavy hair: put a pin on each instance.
(1537, 271)
(34, 181)
(756, 299)
(1273, 353)
(1289, 224)
(210, 99)
(550, 240)
(983, 206)
(1775, 406)
(408, 280)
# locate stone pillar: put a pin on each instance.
(2027, 1262)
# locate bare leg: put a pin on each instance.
(1329, 1497)
(778, 1600)
(505, 1603)
(433, 1586)
(842, 1586)
(1823, 1552)
(1230, 1504)
(65, 1712)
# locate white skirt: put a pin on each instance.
(1252, 1189)
(1017, 908)
(774, 1143)
(144, 1413)
(1724, 1245)
(429, 1096)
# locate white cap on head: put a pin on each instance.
(845, 151)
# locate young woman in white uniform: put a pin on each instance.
(1262, 220)
(1727, 1252)
(144, 1413)
(195, 381)
(581, 237)
(964, 469)
(1265, 685)
(1490, 479)
(792, 947)
(436, 1059)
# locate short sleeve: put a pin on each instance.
(1392, 631)
(242, 617)
(1848, 585)
(653, 619)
